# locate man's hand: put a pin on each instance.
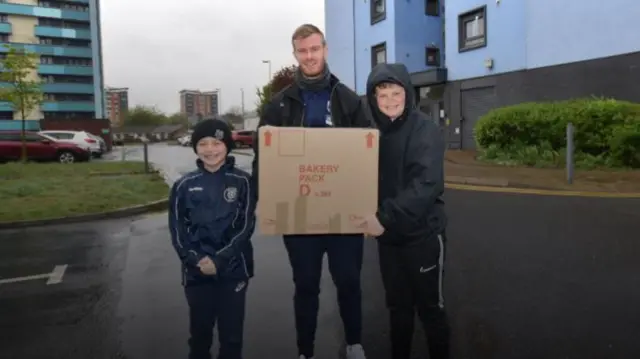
(370, 225)
(207, 267)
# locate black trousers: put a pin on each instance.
(212, 302)
(344, 253)
(412, 276)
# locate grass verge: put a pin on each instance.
(36, 191)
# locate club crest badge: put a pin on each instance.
(328, 118)
(230, 194)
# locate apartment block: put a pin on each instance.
(117, 105)
(196, 104)
(467, 57)
(66, 36)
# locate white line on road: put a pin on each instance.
(57, 274)
(24, 279)
(54, 277)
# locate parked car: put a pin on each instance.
(40, 148)
(103, 145)
(243, 138)
(185, 140)
(80, 138)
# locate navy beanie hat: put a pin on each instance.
(215, 128)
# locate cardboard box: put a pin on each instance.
(315, 180)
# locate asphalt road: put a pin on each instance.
(527, 277)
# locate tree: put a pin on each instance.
(22, 90)
(283, 78)
(146, 116)
(233, 117)
(178, 119)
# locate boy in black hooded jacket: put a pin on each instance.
(410, 221)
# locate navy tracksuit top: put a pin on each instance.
(213, 214)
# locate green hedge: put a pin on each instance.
(605, 128)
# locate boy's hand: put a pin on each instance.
(207, 267)
(371, 225)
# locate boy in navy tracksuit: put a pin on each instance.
(211, 219)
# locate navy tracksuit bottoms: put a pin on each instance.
(306, 254)
(221, 302)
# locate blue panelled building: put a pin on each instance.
(470, 56)
(66, 35)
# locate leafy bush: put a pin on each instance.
(607, 132)
(625, 146)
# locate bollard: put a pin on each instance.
(570, 151)
(146, 157)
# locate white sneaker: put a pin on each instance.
(355, 351)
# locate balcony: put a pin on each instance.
(51, 50)
(67, 88)
(68, 106)
(6, 106)
(47, 69)
(28, 10)
(49, 31)
(5, 28)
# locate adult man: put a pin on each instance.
(410, 221)
(318, 99)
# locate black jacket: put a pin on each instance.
(411, 179)
(286, 109)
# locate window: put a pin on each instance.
(378, 11)
(432, 7)
(378, 54)
(472, 29)
(66, 136)
(433, 56)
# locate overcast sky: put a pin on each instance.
(157, 50)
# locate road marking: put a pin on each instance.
(57, 274)
(541, 192)
(54, 277)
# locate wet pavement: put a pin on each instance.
(527, 277)
(75, 317)
(174, 160)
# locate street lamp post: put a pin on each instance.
(242, 99)
(268, 62)
(219, 92)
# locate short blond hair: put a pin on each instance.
(305, 30)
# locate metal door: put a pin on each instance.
(474, 104)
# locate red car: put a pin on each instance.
(39, 148)
(243, 138)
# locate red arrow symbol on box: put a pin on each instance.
(267, 138)
(370, 137)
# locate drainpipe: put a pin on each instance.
(353, 20)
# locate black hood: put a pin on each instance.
(395, 73)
